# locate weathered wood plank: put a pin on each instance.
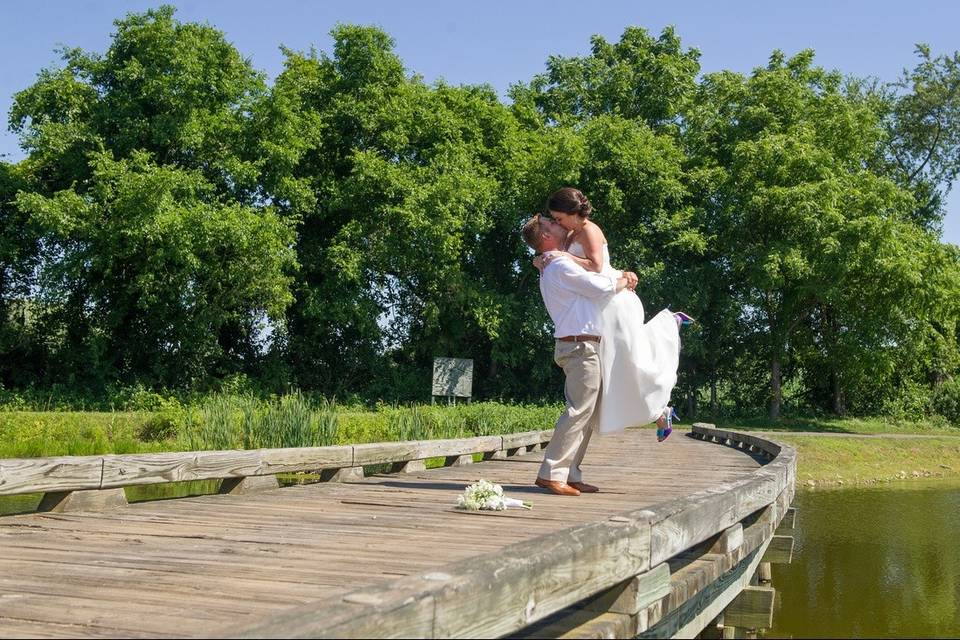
(379, 453)
(486, 596)
(756, 492)
(291, 460)
(460, 447)
(525, 439)
(588, 624)
(683, 523)
(752, 609)
(689, 619)
(118, 614)
(17, 628)
(764, 573)
(697, 569)
(635, 594)
(730, 540)
(39, 475)
(586, 559)
(347, 474)
(458, 461)
(153, 468)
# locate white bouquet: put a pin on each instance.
(488, 496)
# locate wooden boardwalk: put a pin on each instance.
(207, 566)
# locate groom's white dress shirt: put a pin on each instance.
(570, 294)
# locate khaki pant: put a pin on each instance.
(581, 366)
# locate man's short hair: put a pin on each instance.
(532, 234)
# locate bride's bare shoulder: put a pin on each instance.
(593, 232)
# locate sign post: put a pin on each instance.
(452, 379)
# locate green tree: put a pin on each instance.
(177, 90)
(20, 254)
(791, 149)
(407, 199)
(154, 132)
(922, 117)
(159, 274)
(638, 78)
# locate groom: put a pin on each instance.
(570, 294)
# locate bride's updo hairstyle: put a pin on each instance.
(570, 200)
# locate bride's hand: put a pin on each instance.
(550, 256)
(538, 263)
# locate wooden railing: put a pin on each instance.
(60, 476)
(489, 596)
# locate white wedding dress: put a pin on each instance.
(639, 361)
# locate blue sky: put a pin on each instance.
(500, 43)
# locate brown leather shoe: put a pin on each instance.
(583, 487)
(557, 487)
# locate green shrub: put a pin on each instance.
(161, 426)
(27, 434)
(356, 427)
(946, 400)
(137, 398)
(913, 402)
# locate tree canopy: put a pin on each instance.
(178, 220)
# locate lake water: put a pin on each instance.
(877, 562)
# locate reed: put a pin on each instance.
(327, 423)
(243, 421)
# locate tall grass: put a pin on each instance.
(25, 434)
(425, 422)
(245, 422)
(327, 421)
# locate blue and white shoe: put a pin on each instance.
(669, 415)
(683, 320)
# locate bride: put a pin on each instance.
(639, 360)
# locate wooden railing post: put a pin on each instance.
(345, 474)
(88, 500)
(249, 484)
(458, 461)
(410, 466)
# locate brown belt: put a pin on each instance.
(583, 338)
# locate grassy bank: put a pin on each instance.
(829, 461)
(871, 426)
(832, 453)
